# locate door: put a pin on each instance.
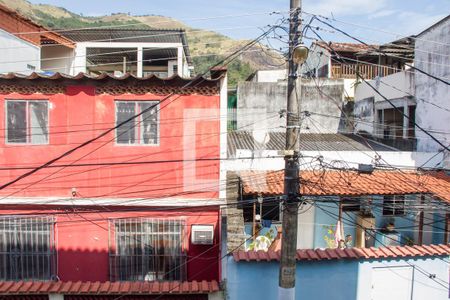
(392, 283)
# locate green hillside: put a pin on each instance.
(218, 46)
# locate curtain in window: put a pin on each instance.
(38, 122)
(126, 132)
(149, 124)
(16, 121)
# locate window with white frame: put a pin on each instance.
(394, 205)
(27, 249)
(143, 130)
(27, 121)
(147, 250)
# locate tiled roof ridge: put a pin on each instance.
(348, 253)
(107, 287)
(102, 76)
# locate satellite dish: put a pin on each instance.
(262, 243)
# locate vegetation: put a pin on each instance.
(237, 70)
(207, 47)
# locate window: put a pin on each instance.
(141, 130)
(351, 204)
(26, 248)
(394, 205)
(27, 122)
(147, 250)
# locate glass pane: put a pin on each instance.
(149, 124)
(126, 132)
(39, 122)
(17, 121)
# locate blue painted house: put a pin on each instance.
(379, 235)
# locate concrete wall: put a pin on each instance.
(432, 55)
(261, 103)
(333, 279)
(17, 55)
(57, 59)
(398, 87)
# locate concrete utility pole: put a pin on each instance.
(286, 290)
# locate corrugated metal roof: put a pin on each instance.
(347, 183)
(243, 140)
(107, 288)
(131, 35)
(348, 253)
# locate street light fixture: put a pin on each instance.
(300, 54)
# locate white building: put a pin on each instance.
(432, 55)
(420, 96)
(26, 46)
(140, 52)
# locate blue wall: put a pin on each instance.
(332, 279)
(406, 225)
(315, 280)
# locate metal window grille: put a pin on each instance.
(147, 250)
(27, 249)
(394, 205)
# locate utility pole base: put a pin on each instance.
(286, 294)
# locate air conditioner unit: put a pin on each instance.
(202, 234)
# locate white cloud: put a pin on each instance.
(421, 22)
(382, 14)
(344, 7)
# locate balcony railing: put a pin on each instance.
(349, 71)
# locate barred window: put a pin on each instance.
(27, 121)
(141, 130)
(27, 249)
(147, 250)
(394, 205)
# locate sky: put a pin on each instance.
(374, 21)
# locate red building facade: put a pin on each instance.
(134, 195)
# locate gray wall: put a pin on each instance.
(259, 104)
(432, 55)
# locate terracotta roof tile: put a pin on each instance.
(106, 288)
(345, 47)
(349, 253)
(347, 183)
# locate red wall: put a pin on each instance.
(83, 248)
(80, 115)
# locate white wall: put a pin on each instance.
(397, 87)
(16, 54)
(402, 81)
(57, 58)
(271, 159)
(270, 75)
(432, 55)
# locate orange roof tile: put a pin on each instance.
(107, 288)
(349, 253)
(347, 183)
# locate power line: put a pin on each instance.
(375, 238)
(129, 119)
(390, 102)
(376, 29)
(381, 52)
(154, 23)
